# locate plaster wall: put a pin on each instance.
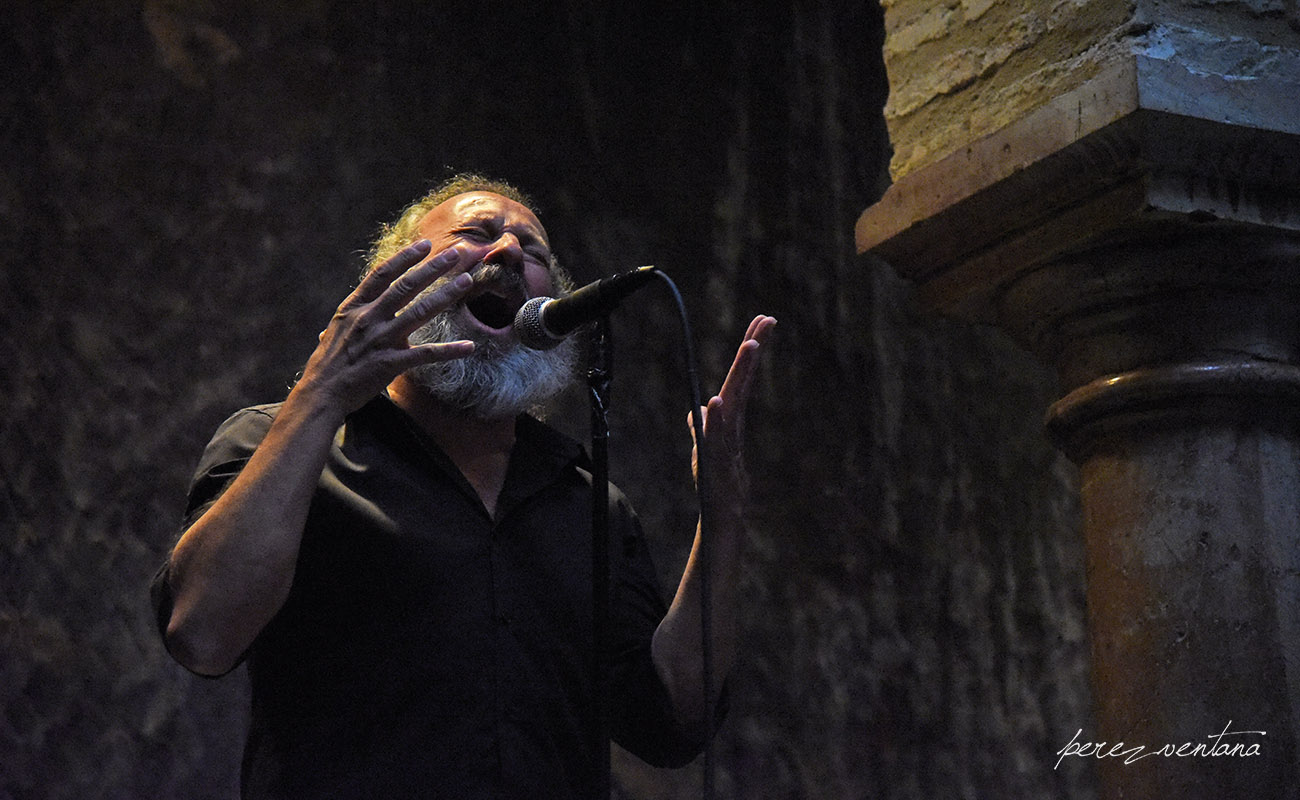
(187, 190)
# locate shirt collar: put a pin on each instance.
(541, 455)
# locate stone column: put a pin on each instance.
(1137, 225)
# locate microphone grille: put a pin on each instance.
(530, 329)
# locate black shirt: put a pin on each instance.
(428, 650)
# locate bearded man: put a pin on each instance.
(401, 552)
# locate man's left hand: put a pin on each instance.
(724, 417)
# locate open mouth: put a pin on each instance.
(495, 308)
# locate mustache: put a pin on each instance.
(496, 276)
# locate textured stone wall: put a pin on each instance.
(185, 189)
(961, 69)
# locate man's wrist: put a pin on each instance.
(314, 401)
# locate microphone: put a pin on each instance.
(543, 322)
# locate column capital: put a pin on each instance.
(1141, 233)
(1147, 146)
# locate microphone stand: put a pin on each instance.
(599, 375)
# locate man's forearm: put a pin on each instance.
(231, 571)
(677, 645)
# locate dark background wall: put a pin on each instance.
(185, 189)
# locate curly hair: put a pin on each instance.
(393, 236)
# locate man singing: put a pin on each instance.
(402, 554)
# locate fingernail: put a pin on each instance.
(462, 281)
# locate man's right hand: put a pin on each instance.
(365, 345)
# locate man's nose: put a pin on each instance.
(506, 251)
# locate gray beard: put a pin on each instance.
(496, 381)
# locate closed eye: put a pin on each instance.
(477, 234)
(532, 248)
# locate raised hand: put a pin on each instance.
(724, 416)
(676, 646)
(365, 345)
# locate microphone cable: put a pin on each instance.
(533, 329)
(703, 498)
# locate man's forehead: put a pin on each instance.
(483, 205)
